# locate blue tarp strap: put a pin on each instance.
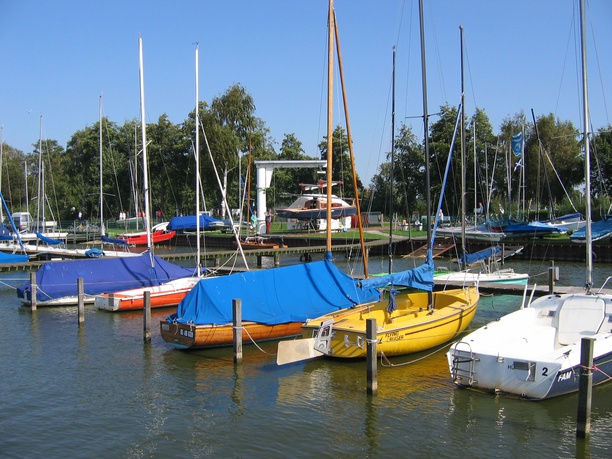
(392, 306)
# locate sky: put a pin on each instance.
(58, 57)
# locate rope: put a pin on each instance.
(252, 340)
(389, 364)
(6, 284)
(596, 368)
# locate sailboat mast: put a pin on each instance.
(463, 168)
(197, 158)
(41, 190)
(330, 94)
(587, 154)
(425, 125)
(100, 165)
(352, 155)
(426, 141)
(143, 127)
(391, 178)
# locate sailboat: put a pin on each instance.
(162, 294)
(276, 301)
(406, 323)
(535, 352)
(484, 259)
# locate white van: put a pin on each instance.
(22, 220)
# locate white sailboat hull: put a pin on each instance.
(535, 352)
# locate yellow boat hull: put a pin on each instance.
(412, 327)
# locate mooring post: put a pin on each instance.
(585, 388)
(33, 291)
(81, 300)
(277, 259)
(237, 314)
(147, 317)
(503, 253)
(371, 356)
(553, 275)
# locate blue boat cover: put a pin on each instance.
(5, 234)
(565, 218)
(13, 258)
(94, 253)
(188, 223)
(469, 258)
(113, 240)
(599, 230)
(421, 277)
(58, 279)
(48, 240)
(273, 296)
(533, 228)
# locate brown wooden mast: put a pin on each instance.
(350, 145)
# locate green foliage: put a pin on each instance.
(233, 138)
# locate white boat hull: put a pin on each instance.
(535, 352)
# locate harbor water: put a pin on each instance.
(99, 391)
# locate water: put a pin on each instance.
(99, 391)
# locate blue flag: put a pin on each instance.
(517, 144)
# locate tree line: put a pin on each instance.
(548, 177)
(236, 138)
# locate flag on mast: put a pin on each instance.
(518, 144)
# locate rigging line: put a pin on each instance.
(601, 80)
(571, 33)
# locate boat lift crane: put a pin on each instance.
(264, 171)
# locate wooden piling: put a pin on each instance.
(147, 316)
(585, 388)
(371, 356)
(81, 300)
(553, 275)
(33, 291)
(237, 319)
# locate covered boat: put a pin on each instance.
(601, 231)
(189, 223)
(405, 324)
(56, 281)
(275, 304)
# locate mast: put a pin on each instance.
(330, 93)
(197, 159)
(426, 140)
(425, 124)
(143, 127)
(100, 166)
(350, 145)
(40, 200)
(391, 179)
(587, 159)
(463, 168)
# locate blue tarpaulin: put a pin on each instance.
(13, 258)
(469, 258)
(189, 222)
(58, 279)
(273, 296)
(420, 277)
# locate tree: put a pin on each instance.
(341, 161)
